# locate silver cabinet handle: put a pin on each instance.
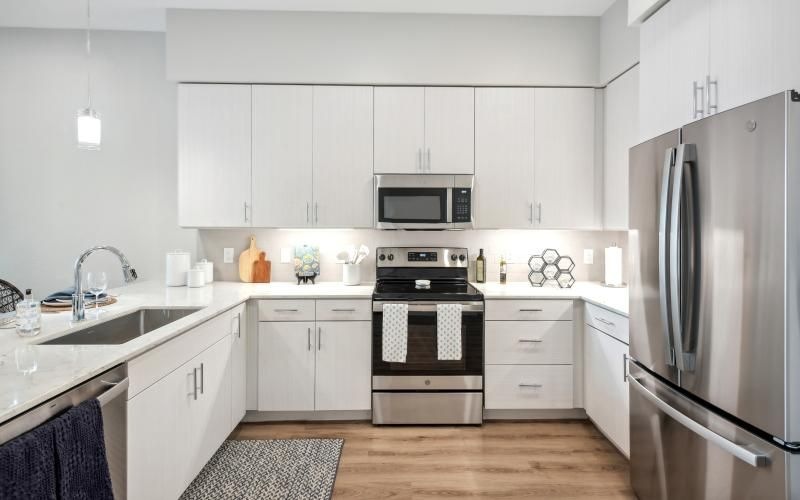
(711, 107)
(309, 338)
(530, 214)
(539, 218)
(319, 338)
(531, 340)
(316, 213)
(429, 159)
(604, 321)
(697, 113)
(743, 454)
(624, 367)
(308, 217)
(285, 310)
(202, 380)
(535, 386)
(245, 212)
(530, 310)
(419, 159)
(194, 384)
(343, 310)
(239, 324)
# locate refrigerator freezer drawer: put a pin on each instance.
(680, 449)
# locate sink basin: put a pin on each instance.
(123, 328)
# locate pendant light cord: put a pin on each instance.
(89, 53)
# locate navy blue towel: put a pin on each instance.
(81, 463)
(67, 295)
(27, 466)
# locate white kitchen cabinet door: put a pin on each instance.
(504, 152)
(214, 155)
(210, 420)
(282, 165)
(159, 437)
(286, 366)
(343, 182)
(565, 191)
(606, 390)
(399, 129)
(656, 113)
(344, 354)
(449, 130)
(238, 365)
(786, 40)
(621, 133)
(689, 37)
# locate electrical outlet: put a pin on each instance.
(227, 255)
(588, 256)
(286, 255)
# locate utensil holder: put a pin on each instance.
(351, 274)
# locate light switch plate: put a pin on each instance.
(588, 256)
(227, 255)
(286, 255)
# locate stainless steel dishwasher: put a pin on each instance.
(111, 390)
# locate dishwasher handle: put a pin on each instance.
(115, 390)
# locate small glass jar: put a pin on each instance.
(29, 316)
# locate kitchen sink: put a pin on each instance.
(123, 328)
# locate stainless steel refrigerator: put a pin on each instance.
(715, 306)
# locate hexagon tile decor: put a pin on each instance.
(551, 266)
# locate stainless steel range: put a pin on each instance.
(425, 389)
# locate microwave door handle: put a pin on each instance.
(663, 253)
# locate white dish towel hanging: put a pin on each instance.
(448, 331)
(395, 333)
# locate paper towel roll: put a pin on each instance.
(177, 267)
(613, 266)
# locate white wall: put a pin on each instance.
(516, 245)
(314, 47)
(56, 200)
(619, 43)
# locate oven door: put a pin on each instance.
(413, 202)
(422, 369)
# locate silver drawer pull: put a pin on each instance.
(605, 321)
(535, 386)
(285, 310)
(530, 310)
(531, 340)
(343, 310)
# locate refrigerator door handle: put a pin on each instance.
(678, 274)
(740, 452)
(663, 253)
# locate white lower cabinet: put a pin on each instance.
(238, 365)
(606, 386)
(314, 363)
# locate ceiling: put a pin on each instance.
(149, 15)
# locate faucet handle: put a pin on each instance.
(129, 273)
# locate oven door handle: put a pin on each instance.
(465, 306)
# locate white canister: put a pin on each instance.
(196, 277)
(178, 263)
(351, 274)
(208, 267)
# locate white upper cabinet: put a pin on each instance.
(621, 133)
(424, 130)
(565, 188)
(399, 130)
(214, 155)
(504, 152)
(449, 130)
(342, 156)
(282, 165)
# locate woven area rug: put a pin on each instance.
(269, 469)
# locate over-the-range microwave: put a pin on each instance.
(426, 201)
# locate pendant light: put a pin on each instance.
(89, 125)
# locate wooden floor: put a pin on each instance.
(548, 459)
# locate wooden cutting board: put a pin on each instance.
(246, 261)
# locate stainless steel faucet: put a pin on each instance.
(78, 307)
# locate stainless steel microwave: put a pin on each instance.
(423, 201)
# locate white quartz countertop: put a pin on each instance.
(613, 299)
(31, 373)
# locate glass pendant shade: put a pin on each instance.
(89, 129)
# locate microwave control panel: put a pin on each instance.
(462, 205)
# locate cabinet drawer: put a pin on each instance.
(344, 310)
(528, 342)
(154, 365)
(607, 321)
(512, 387)
(286, 310)
(527, 310)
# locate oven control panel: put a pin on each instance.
(421, 257)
